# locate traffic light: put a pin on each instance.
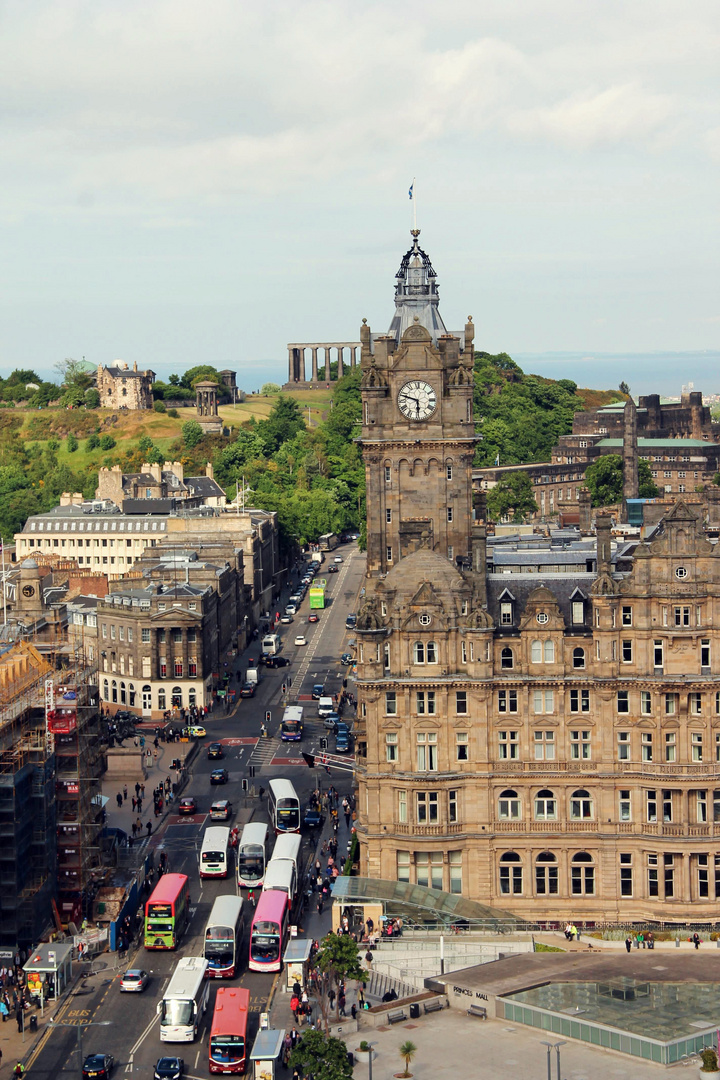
(268, 716)
(289, 681)
(323, 744)
(284, 688)
(344, 684)
(244, 784)
(251, 770)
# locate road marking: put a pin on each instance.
(145, 1033)
(129, 1066)
(197, 1059)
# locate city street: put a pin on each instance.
(131, 1034)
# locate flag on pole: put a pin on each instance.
(410, 192)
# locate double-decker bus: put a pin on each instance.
(283, 806)
(185, 1001)
(291, 729)
(223, 937)
(228, 1032)
(214, 853)
(281, 874)
(167, 912)
(252, 855)
(287, 846)
(268, 933)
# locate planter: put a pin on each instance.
(364, 1056)
(714, 1075)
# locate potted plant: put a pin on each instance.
(364, 1052)
(709, 1069)
(407, 1052)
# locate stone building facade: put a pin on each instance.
(121, 387)
(548, 743)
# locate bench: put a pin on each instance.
(396, 1017)
(479, 1011)
(434, 1006)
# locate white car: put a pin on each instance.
(338, 558)
(291, 609)
(301, 639)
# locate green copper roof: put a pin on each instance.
(681, 444)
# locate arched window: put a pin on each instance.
(507, 661)
(578, 658)
(131, 694)
(123, 695)
(536, 652)
(418, 653)
(106, 690)
(192, 697)
(431, 652)
(511, 882)
(549, 652)
(162, 703)
(509, 806)
(546, 874)
(581, 806)
(545, 805)
(176, 700)
(582, 875)
(114, 691)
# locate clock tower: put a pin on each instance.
(418, 434)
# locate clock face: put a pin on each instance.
(28, 590)
(417, 400)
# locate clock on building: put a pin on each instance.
(28, 590)
(417, 400)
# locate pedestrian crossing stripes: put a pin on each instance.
(264, 751)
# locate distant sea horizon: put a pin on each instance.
(662, 373)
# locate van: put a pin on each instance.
(325, 706)
(271, 644)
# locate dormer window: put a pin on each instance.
(506, 614)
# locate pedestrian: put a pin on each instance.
(251, 898)
(137, 788)
(3, 1010)
(119, 799)
(149, 827)
(641, 939)
(353, 1011)
(696, 940)
(628, 943)
(125, 792)
(320, 904)
(294, 1006)
(134, 804)
(341, 1003)
(142, 791)
(19, 1069)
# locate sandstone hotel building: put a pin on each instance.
(546, 741)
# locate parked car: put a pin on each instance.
(134, 981)
(313, 818)
(286, 618)
(221, 810)
(215, 751)
(291, 609)
(300, 639)
(97, 1066)
(169, 1068)
(277, 661)
(187, 805)
(248, 689)
(318, 690)
(219, 776)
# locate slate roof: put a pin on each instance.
(562, 586)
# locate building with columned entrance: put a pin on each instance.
(543, 741)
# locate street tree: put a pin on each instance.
(322, 1057)
(338, 959)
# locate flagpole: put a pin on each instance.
(414, 207)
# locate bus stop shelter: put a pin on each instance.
(49, 969)
(295, 959)
(265, 1054)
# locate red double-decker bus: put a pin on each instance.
(167, 912)
(228, 1033)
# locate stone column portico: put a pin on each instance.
(297, 377)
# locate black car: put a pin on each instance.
(347, 659)
(277, 661)
(313, 818)
(333, 569)
(97, 1066)
(169, 1068)
(215, 751)
(247, 689)
(219, 776)
(318, 691)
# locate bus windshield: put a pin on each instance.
(288, 813)
(213, 856)
(219, 933)
(227, 1048)
(251, 866)
(266, 941)
(177, 1011)
(291, 727)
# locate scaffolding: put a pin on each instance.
(50, 810)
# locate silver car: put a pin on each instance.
(134, 981)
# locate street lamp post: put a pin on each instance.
(550, 1047)
(89, 1023)
(370, 1057)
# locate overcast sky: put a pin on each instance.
(187, 182)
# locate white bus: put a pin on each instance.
(283, 806)
(184, 1001)
(214, 854)
(287, 847)
(252, 855)
(281, 874)
(271, 644)
(224, 937)
(291, 729)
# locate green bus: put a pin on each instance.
(167, 912)
(317, 596)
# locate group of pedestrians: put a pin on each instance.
(644, 940)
